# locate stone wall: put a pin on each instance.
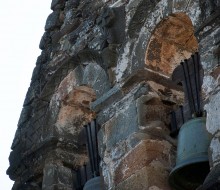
(113, 60)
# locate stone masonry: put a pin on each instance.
(113, 60)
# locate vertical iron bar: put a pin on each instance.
(73, 180)
(187, 87)
(182, 114)
(92, 148)
(96, 141)
(93, 131)
(199, 82)
(173, 124)
(85, 171)
(196, 82)
(78, 179)
(190, 85)
(89, 147)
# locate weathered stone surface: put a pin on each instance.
(214, 151)
(213, 113)
(26, 114)
(138, 19)
(53, 21)
(151, 109)
(110, 55)
(112, 23)
(57, 4)
(119, 127)
(45, 40)
(152, 154)
(31, 94)
(212, 181)
(113, 94)
(55, 175)
(97, 78)
(72, 4)
(65, 30)
(134, 45)
(138, 180)
(171, 42)
(73, 79)
(36, 73)
(75, 113)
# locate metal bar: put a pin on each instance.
(74, 183)
(196, 82)
(96, 143)
(79, 186)
(92, 148)
(187, 87)
(93, 132)
(190, 85)
(89, 147)
(174, 129)
(85, 171)
(182, 114)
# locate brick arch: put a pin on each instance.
(172, 40)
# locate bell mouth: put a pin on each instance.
(189, 176)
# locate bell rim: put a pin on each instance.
(188, 162)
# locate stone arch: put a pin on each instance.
(75, 86)
(70, 111)
(171, 42)
(142, 20)
(68, 89)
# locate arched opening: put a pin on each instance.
(172, 53)
(172, 40)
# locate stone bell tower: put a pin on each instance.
(115, 61)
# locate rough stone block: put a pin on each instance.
(55, 175)
(110, 56)
(137, 181)
(96, 77)
(65, 30)
(213, 109)
(36, 73)
(31, 94)
(154, 155)
(150, 108)
(108, 98)
(57, 4)
(45, 40)
(25, 115)
(74, 111)
(53, 21)
(72, 4)
(215, 151)
(119, 127)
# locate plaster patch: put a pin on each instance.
(215, 150)
(209, 84)
(194, 13)
(123, 63)
(213, 114)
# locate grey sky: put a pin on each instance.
(21, 27)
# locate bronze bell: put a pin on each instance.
(192, 163)
(95, 183)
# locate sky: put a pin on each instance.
(21, 28)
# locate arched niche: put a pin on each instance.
(171, 41)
